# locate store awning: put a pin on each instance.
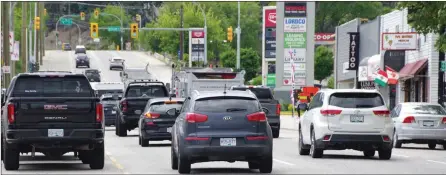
(409, 70)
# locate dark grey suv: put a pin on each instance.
(222, 126)
(82, 60)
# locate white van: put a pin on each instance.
(80, 49)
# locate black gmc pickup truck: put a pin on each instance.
(266, 99)
(136, 95)
(52, 113)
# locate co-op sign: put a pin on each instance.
(295, 25)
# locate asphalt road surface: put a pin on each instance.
(125, 156)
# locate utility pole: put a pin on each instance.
(35, 38)
(41, 35)
(5, 29)
(37, 46)
(23, 36)
(181, 34)
(11, 28)
(238, 30)
(441, 77)
(69, 29)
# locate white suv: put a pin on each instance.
(346, 119)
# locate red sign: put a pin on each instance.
(324, 37)
(270, 17)
(197, 34)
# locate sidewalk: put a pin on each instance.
(288, 122)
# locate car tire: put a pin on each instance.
(144, 142)
(432, 145)
(266, 165)
(11, 159)
(83, 156)
(397, 143)
(444, 146)
(369, 153)
(184, 165)
(77, 66)
(302, 147)
(315, 152)
(276, 133)
(96, 157)
(173, 159)
(122, 132)
(3, 154)
(253, 165)
(385, 153)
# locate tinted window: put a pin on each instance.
(111, 91)
(261, 93)
(219, 105)
(356, 100)
(118, 60)
(162, 108)
(146, 91)
(424, 109)
(92, 71)
(52, 86)
(81, 50)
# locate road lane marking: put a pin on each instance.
(399, 155)
(283, 162)
(444, 163)
(114, 161)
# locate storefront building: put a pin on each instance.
(418, 71)
(343, 78)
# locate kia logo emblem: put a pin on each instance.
(272, 17)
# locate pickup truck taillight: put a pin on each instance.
(278, 109)
(11, 111)
(124, 105)
(99, 112)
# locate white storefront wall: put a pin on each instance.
(396, 21)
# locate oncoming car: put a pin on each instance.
(346, 119)
(155, 123)
(117, 63)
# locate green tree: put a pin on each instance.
(323, 63)
(428, 17)
(330, 14)
(330, 83)
(249, 61)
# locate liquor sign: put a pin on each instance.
(197, 46)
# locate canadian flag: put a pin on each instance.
(392, 75)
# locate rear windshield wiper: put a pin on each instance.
(235, 109)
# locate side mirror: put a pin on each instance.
(172, 112)
(120, 74)
(265, 110)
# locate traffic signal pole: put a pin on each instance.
(238, 31)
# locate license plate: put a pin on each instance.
(113, 112)
(228, 142)
(356, 118)
(428, 123)
(137, 111)
(169, 129)
(55, 132)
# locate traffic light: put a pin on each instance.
(82, 16)
(37, 23)
(134, 30)
(44, 12)
(230, 34)
(96, 13)
(94, 30)
(138, 17)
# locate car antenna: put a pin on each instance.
(224, 90)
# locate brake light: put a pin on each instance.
(124, 105)
(228, 76)
(99, 112)
(386, 138)
(327, 138)
(196, 138)
(152, 115)
(196, 118)
(409, 119)
(257, 117)
(11, 112)
(150, 123)
(330, 112)
(257, 138)
(444, 120)
(278, 109)
(383, 113)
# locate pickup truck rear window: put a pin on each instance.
(356, 100)
(52, 87)
(146, 91)
(225, 105)
(261, 93)
(162, 108)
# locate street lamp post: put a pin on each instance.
(238, 31)
(205, 35)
